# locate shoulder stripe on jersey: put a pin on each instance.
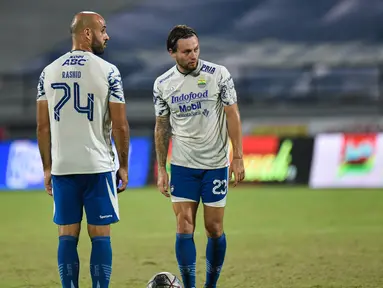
(115, 85)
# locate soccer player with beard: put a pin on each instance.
(196, 103)
(79, 97)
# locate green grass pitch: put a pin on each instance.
(277, 237)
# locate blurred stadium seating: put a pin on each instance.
(285, 55)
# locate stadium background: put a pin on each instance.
(309, 79)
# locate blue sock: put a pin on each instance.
(101, 261)
(186, 258)
(68, 262)
(215, 255)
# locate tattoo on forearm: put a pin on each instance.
(162, 136)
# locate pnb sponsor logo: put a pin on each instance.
(186, 98)
(191, 107)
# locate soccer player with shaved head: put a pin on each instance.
(196, 105)
(80, 106)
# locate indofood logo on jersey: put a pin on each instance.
(186, 98)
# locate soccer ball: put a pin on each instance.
(164, 280)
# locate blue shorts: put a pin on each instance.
(97, 193)
(191, 185)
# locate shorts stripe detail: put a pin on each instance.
(113, 197)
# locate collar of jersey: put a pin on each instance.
(193, 73)
(78, 50)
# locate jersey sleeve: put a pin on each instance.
(116, 89)
(161, 108)
(228, 95)
(40, 87)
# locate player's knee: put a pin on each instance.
(214, 229)
(98, 230)
(185, 224)
(70, 230)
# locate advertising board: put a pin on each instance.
(269, 159)
(347, 160)
(21, 168)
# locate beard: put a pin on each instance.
(187, 66)
(97, 47)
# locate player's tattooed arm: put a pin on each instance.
(162, 129)
(162, 135)
(44, 134)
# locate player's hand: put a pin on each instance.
(121, 177)
(237, 168)
(48, 181)
(163, 182)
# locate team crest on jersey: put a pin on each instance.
(201, 82)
